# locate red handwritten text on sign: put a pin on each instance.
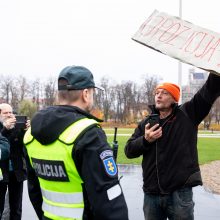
(182, 40)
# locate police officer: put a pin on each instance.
(69, 153)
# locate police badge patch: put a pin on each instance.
(106, 153)
(110, 166)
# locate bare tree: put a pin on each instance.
(137, 105)
(104, 100)
(50, 91)
(123, 102)
(14, 95)
(19, 90)
(119, 103)
(128, 93)
(5, 87)
(216, 110)
(150, 83)
(23, 87)
(35, 92)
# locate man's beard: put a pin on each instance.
(164, 108)
(160, 108)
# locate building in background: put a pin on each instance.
(195, 82)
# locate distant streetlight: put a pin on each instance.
(179, 62)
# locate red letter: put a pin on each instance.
(192, 40)
(189, 39)
(211, 49)
(205, 47)
(170, 35)
(178, 34)
(151, 28)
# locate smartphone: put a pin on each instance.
(21, 121)
(154, 119)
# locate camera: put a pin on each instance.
(20, 121)
(154, 119)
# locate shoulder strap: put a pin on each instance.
(28, 136)
(74, 130)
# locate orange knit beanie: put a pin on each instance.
(173, 89)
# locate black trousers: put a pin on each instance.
(3, 189)
(15, 191)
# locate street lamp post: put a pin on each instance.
(179, 62)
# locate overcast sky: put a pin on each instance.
(40, 37)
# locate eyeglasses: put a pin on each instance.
(161, 92)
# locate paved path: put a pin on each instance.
(199, 135)
(207, 205)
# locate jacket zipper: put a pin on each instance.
(158, 180)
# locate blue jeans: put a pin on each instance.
(178, 205)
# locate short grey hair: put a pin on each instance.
(4, 105)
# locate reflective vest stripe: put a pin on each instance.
(76, 129)
(65, 198)
(74, 213)
(61, 201)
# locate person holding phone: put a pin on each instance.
(168, 143)
(16, 166)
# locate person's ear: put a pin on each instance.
(85, 95)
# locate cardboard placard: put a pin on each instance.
(181, 40)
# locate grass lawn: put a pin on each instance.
(208, 148)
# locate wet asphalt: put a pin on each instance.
(207, 205)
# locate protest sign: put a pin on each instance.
(181, 40)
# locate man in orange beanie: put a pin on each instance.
(167, 140)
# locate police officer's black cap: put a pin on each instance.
(78, 77)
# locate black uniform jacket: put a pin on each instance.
(171, 162)
(46, 126)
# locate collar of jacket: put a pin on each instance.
(79, 110)
(153, 109)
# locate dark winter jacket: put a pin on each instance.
(17, 157)
(4, 156)
(171, 162)
(46, 127)
(5, 148)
